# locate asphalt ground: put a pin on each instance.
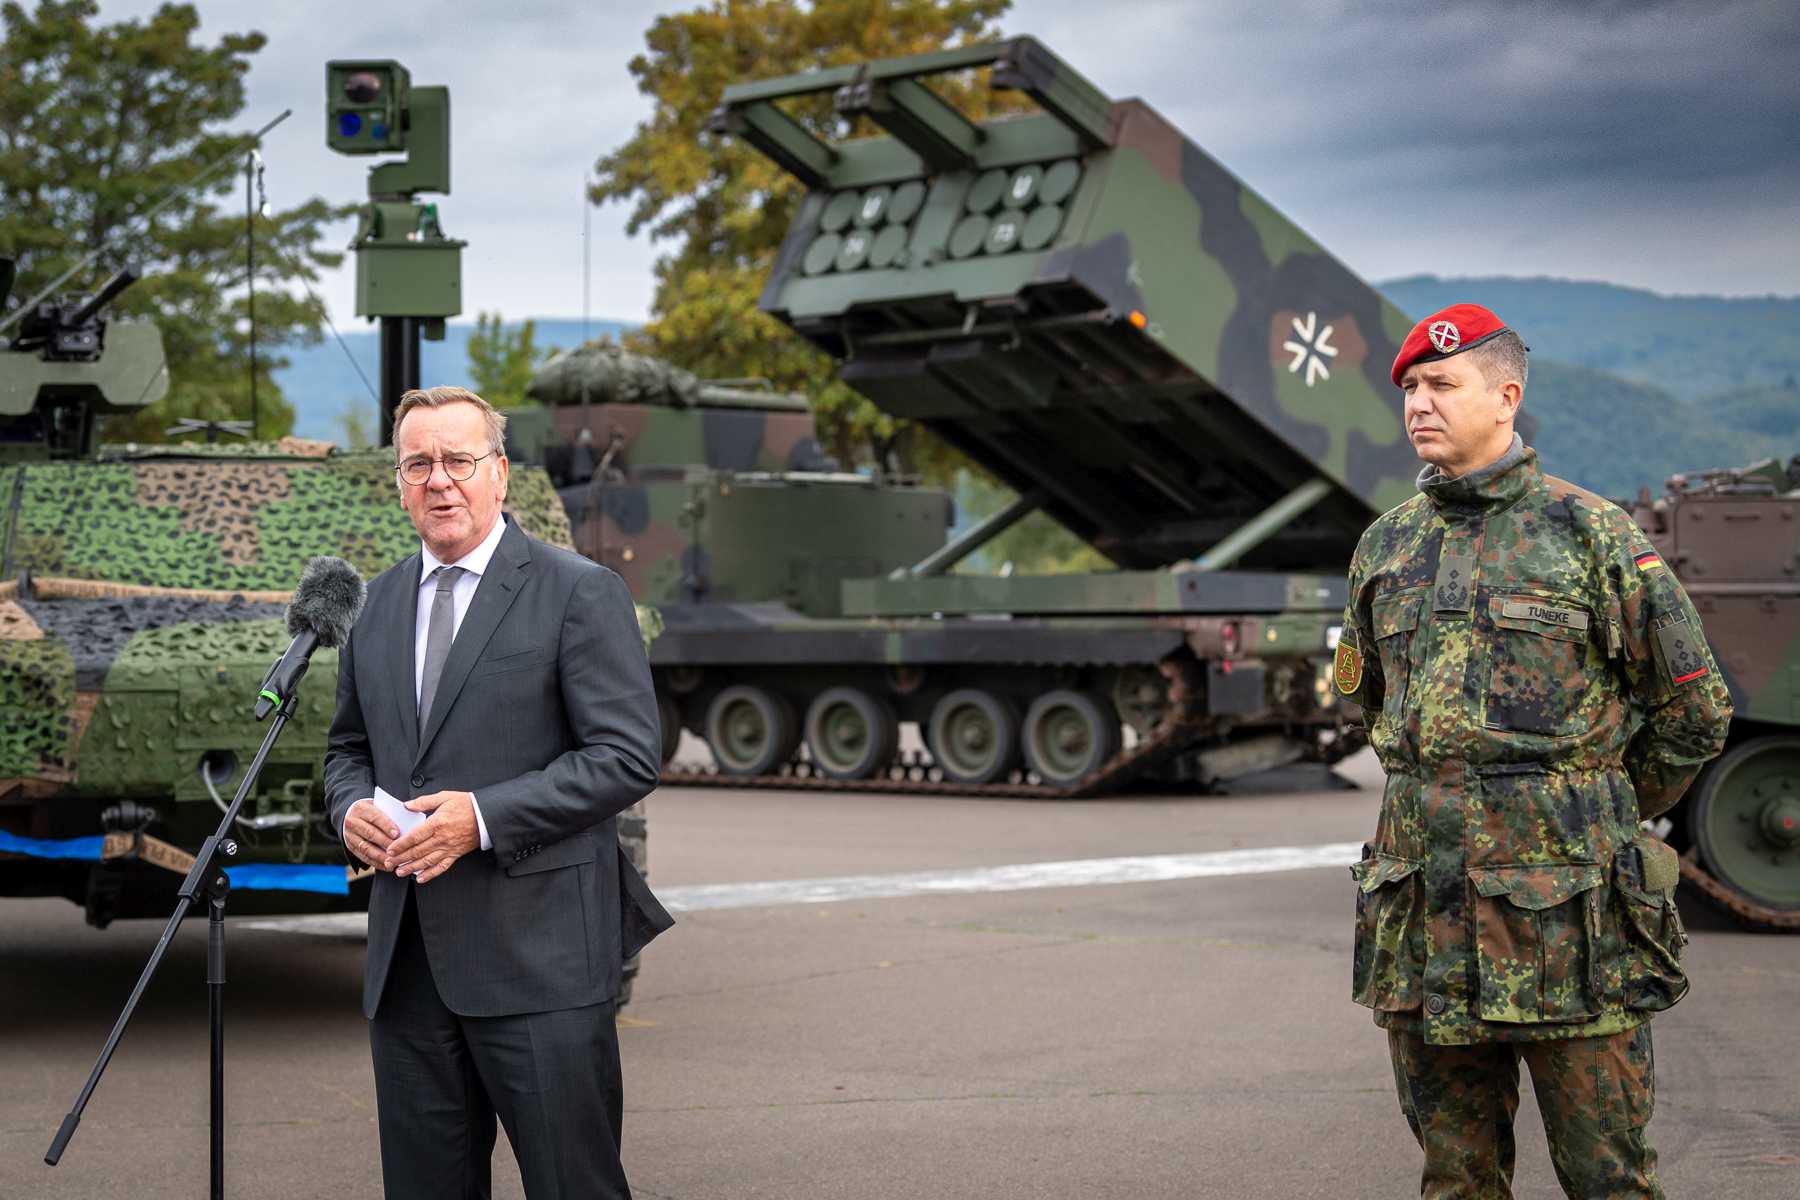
(1185, 1038)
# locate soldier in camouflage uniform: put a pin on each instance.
(1536, 683)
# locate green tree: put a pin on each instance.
(723, 208)
(1035, 546)
(502, 360)
(98, 123)
(355, 426)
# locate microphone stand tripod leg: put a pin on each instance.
(207, 879)
(215, 1011)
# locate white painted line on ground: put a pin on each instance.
(352, 926)
(1084, 872)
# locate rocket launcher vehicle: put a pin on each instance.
(1086, 303)
(1089, 305)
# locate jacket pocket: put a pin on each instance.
(1651, 935)
(1395, 617)
(1535, 934)
(641, 915)
(1540, 672)
(504, 664)
(1388, 966)
(577, 848)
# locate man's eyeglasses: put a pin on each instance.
(457, 466)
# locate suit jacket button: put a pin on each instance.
(418, 781)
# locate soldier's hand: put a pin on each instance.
(448, 834)
(368, 833)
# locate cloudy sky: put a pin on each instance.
(1649, 143)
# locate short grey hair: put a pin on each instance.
(438, 397)
(1504, 359)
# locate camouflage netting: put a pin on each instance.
(98, 630)
(287, 447)
(155, 652)
(222, 519)
(612, 376)
(37, 694)
(239, 524)
(650, 624)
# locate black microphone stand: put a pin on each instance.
(206, 880)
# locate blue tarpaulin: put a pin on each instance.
(87, 847)
(263, 877)
(289, 877)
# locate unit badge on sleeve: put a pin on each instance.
(1349, 668)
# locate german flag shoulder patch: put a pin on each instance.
(1649, 560)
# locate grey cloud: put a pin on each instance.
(1642, 142)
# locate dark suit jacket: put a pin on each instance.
(546, 712)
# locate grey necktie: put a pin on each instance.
(437, 638)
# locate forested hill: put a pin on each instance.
(1629, 387)
(1690, 346)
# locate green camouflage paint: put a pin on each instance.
(1136, 332)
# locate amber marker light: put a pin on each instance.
(1138, 319)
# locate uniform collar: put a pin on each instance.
(475, 562)
(1494, 486)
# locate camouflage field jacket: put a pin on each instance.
(1535, 682)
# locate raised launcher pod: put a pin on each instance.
(1093, 308)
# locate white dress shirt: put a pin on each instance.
(462, 592)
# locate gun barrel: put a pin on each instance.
(109, 291)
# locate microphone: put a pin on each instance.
(324, 607)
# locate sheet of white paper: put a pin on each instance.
(397, 811)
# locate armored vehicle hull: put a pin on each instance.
(1733, 536)
(788, 650)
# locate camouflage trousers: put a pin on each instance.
(1595, 1095)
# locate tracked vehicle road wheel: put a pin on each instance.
(1745, 818)
(669, 715)
(851, 734)
(973, 736)
(1069, 734)
(750, 729)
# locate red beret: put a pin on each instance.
(1445, 332)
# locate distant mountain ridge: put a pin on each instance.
(321, 382)
(1690, 346)
(1627, 387)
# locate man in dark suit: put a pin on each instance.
(499, 685)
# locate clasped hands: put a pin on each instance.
(425, 853)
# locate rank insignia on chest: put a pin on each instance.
(1348, 670)
(1649, 560)
(1456, 573)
